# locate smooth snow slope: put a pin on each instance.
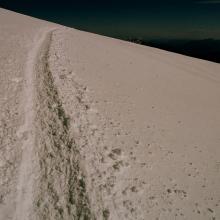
(97, 128)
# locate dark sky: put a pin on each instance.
(191, 19)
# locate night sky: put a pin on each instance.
(180, 19)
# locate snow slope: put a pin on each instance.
(97, 128)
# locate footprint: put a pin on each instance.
(16, 79)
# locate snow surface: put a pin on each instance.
(97, 128)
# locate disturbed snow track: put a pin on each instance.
(51, 184)
(74, 162)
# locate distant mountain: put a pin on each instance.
(208, 49)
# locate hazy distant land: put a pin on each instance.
(207, 49)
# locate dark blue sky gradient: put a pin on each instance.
(188, 19)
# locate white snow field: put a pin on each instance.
(97, 128)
